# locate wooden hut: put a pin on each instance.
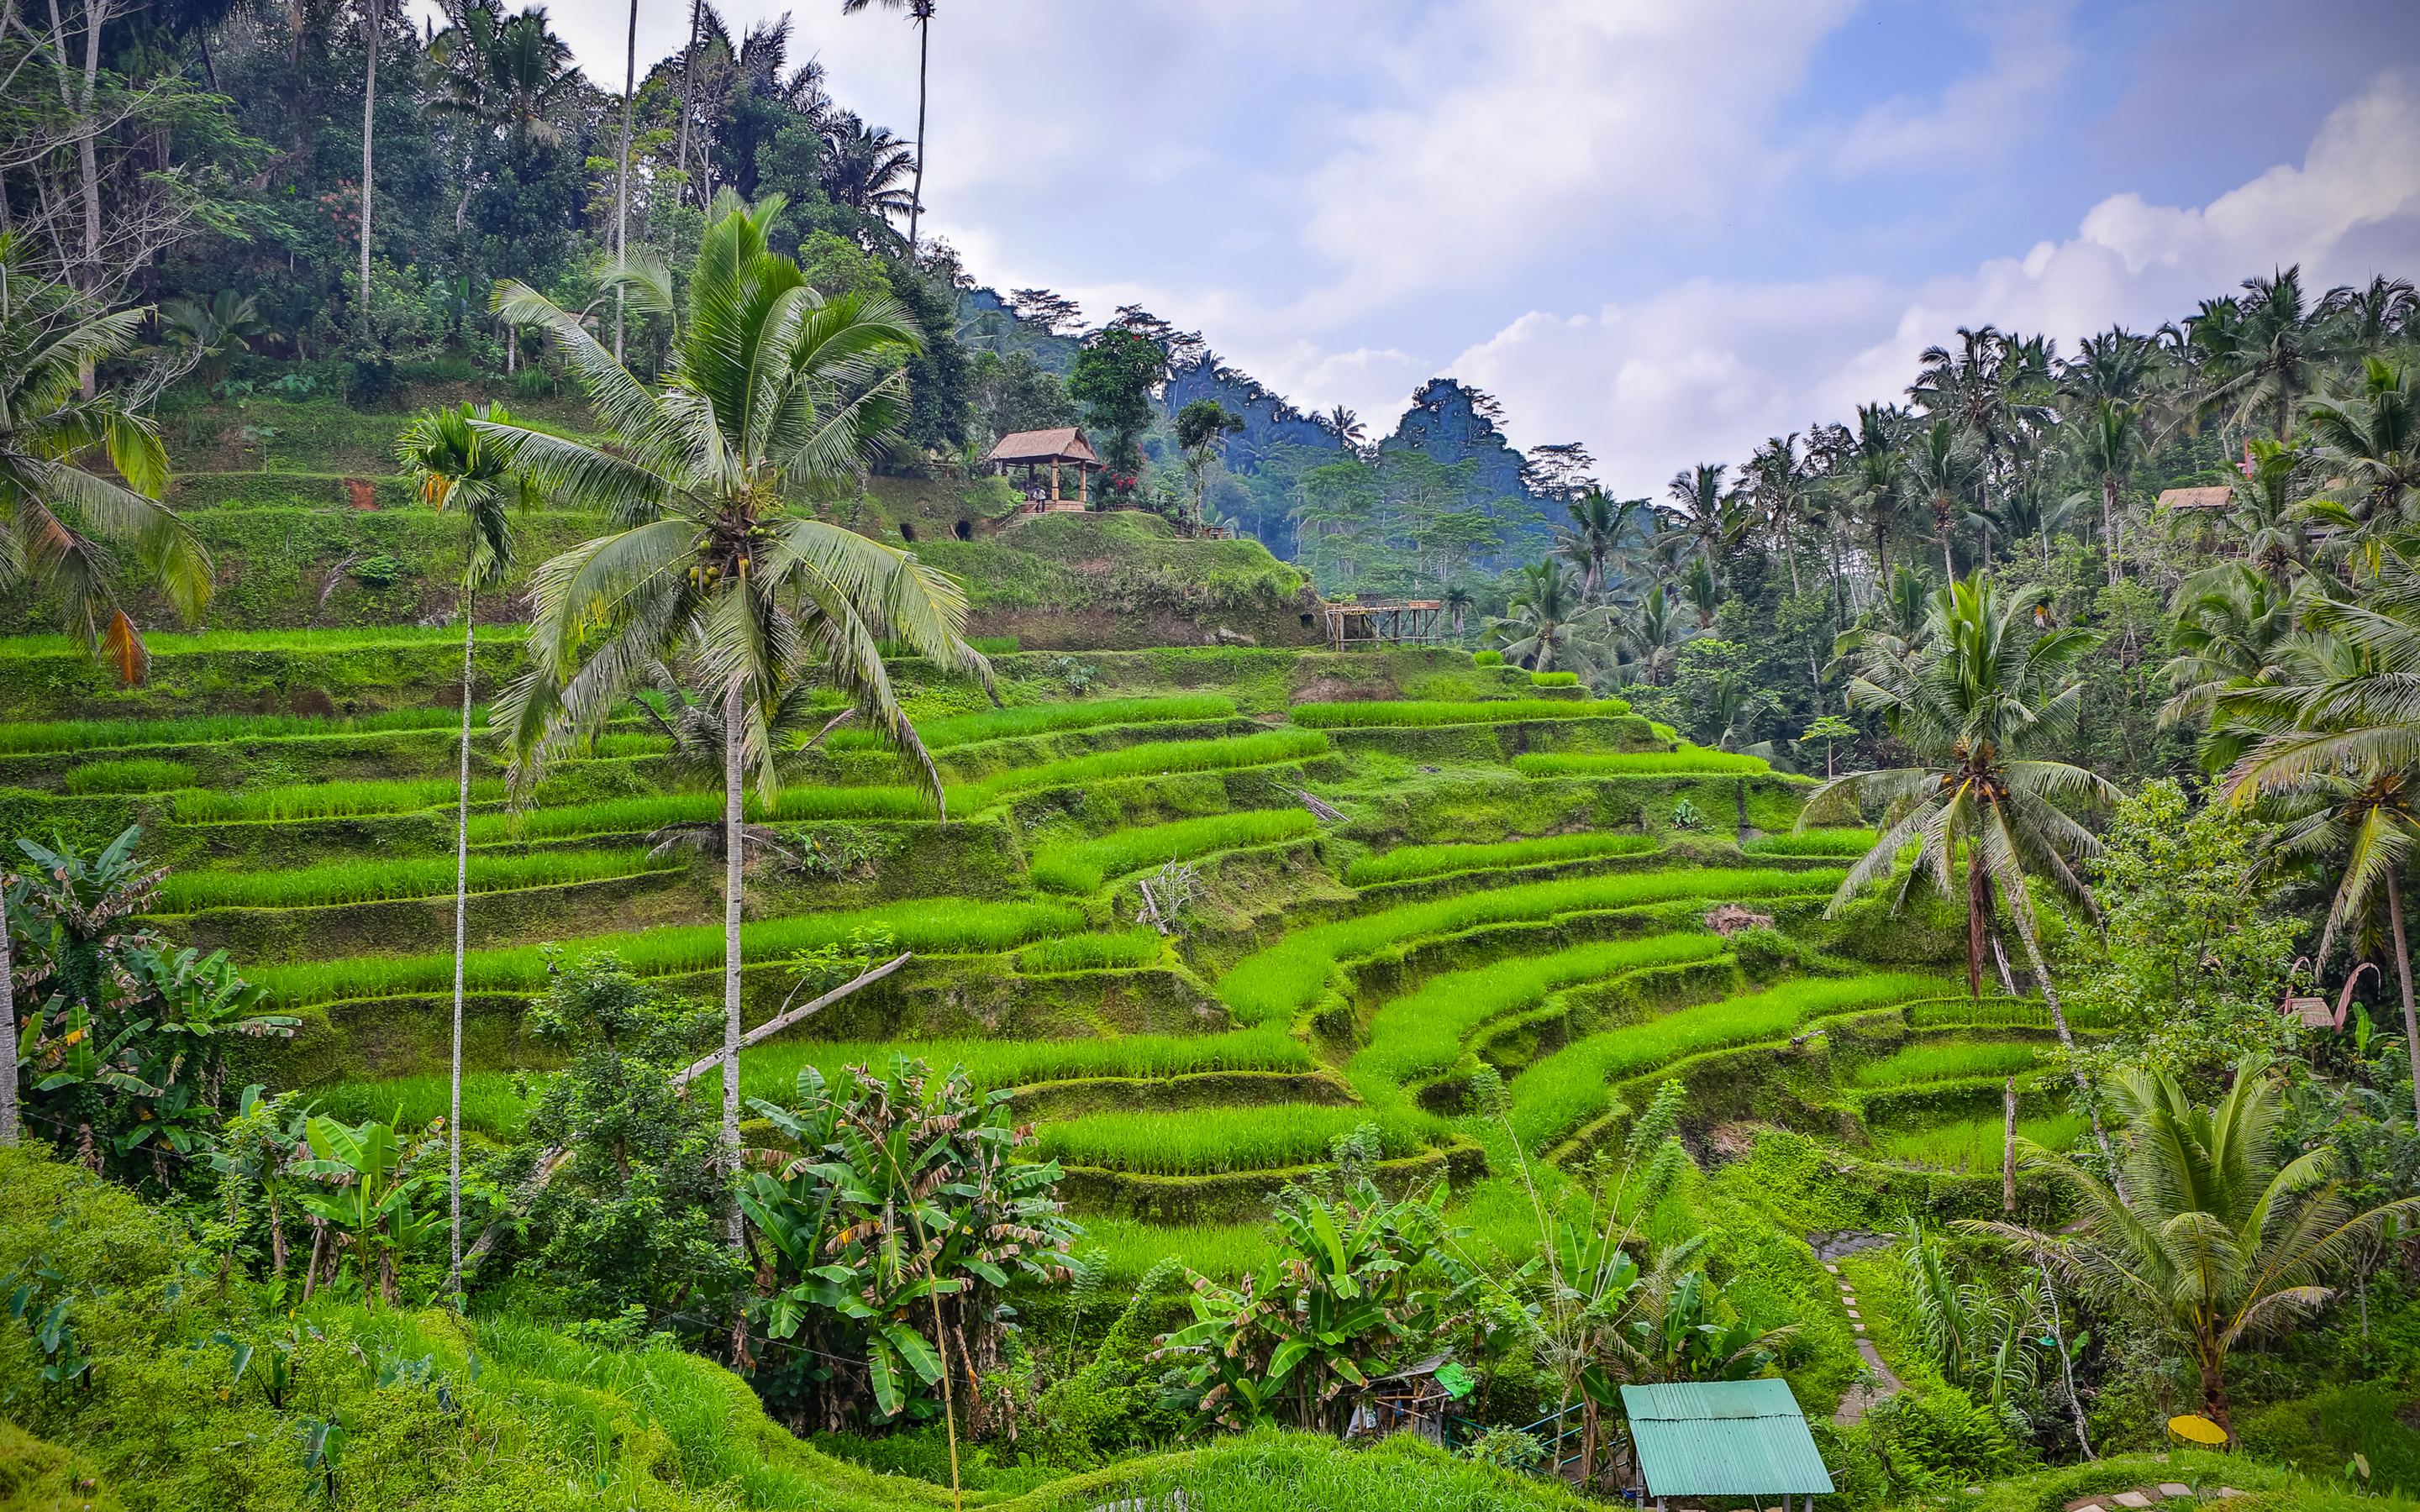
(1033, 450)
(1724, 1438)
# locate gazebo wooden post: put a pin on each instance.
(1054, 480)
(1083, 485)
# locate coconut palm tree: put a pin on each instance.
(771, 386)
(2375, 315)
(1941, 466)
(63, 529)
(1544, 610)
(1877, 476)
(2107, 446)
(1654, 634)
(1706, 521)
(2210, 1232)
(1775, 480)
(921, 12)
(2268, 351)
(452, 468)
(1974, 697)
(2234, 629)
(1597, 527)
(2266, 510)
(214, 326)
(2373, 441)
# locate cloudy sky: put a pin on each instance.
(1664, 230)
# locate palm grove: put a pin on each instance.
(2151, 764)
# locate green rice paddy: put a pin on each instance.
(1406, 862)
(1975, 1144)
(1941, 1061)
(102, 735)
(1093, 953)
(1843, 842)
(135, 774)
(1690, 761)
(325, 800)
(1082, 866)
(1045, 718)
(413, 876)
(1416, 713)
(771, 1070)
(1215, 1141)
(1288, 975)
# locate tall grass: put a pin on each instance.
(342, 637)
(1082, 866)
(771, 1071)
(1288, 975)
(1042, 719)
(1689, 761)
(1212, 1141)
(324, 800)
(925, 925)
(1843, 842)
(1409, 861)
(102, 735)
(1421, 1033)
(1976, 1144)
(1416, 712)
(1941, 1061)
(1569, 1088)
(1093, 952)
(416, 876)
(139, 775)
(490, 1103)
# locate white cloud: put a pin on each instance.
(2030, 53)
(1705, 370)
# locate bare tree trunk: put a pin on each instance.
(734, 712)
(462, 938)
(1978, 908)
(924, 54)
(688, 69)
(2067, 1037)
(622, 180)
(2403, 979)
(2109, 525)
(2009, 1145)
(369, 133)
(7, 1026)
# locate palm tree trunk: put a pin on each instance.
(461, 936)
(689, 68)
(7, 1027)
(622, 179)
(2109, 525)
(734, 712)
(924, 52)
(369, 127)
(2082, 1087)
(2403, 979)
(1978, 908)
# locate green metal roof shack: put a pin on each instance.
(1724, 1438)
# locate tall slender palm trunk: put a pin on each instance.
(622, 179)
(734, 712)
(369, 127)
(2403, 980)
(2082, 1087)
(461, 940)
(7, 1026)
(1979, 910)
(924, 54)
(688, 66)
(2109, 525)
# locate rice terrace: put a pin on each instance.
(664, 849)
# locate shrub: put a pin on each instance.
(1554, 679)
(1084, 865)
(137, 776)
(2321, 1434)
(1414, 713)
(1093, 952)
(417, 876)
(1288, 975)
(1569, 1088)
(938, 925)
(1689, 759)
(1487, 658)
(1210, 1141)
(1409, 862)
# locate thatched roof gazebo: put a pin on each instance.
(1033, 449)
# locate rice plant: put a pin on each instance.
(1410, 712)
(139, 775)
(1842, 842)
(1288, 975)
(1976, 1145)
(1409, 862)
(1224, 1251)
(1689, 761)
(936, 925)
(1214, 1141)
(342, 637)
(1570, 1086)
(324, 800)
(652, 811)
(1082, 866)
(416, 876)
(1554, 679)
(1945, 1059)
(1156, 757)
(771, 1070)
(491, 1105)
(1093, 952)
(1043, 719)
(1421, 1033)
(202, 730)
(1994, 1012)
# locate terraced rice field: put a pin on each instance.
(1039, 969)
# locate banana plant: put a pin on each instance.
(372, 1203)
(902, 1196)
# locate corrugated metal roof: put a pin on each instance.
(1724, 1438)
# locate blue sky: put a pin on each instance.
(1663, 229)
